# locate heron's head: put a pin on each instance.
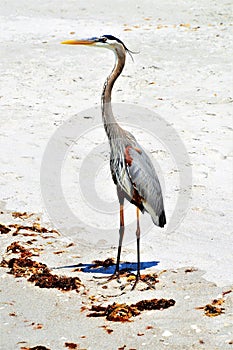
(105, 41)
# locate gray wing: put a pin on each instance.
(145, 180)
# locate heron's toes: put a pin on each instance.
(115, 276)
(142, 279)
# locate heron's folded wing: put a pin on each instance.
(145, 180)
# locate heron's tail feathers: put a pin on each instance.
(162, 219)
(159, 220)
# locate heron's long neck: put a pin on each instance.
(111, 126)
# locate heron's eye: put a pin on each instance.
(103, 40)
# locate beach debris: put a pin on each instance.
(213, 309)
(38, 273)
(219, 301)
(22, 216)
(185, 25)
(106, 263)
(191, 269)
(149, 327)
(115, 312)
(16, 229)
(59, 252)
(71, 244)
(150, 278)
(71, 345)
(107, 329)
(48, 280)
(4, 229)
(226, 292)
(4, 263)
(37, 325)
(35, 228)
(12, 314)
(15, 247)
(37, 347)
(123, 312)
(23, 266)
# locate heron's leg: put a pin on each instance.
(116, 274)
(138, 276)
(121, 236)
(138, 249)
(138, 244)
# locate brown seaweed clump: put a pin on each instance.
(38, 273)
(123, 312)
(106, 263)
(23, 266)
(71, 345)
(34, 228)
(4, 229)
(213, 309)
(48, 280)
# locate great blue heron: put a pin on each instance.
(132, 170)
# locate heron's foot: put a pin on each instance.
(149, 279)
(115, 276)
(143, 278)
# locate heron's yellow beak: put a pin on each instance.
(79, 42)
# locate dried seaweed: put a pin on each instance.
(15, 247)
(154, 304)
(191, 269)
(4, 229)
(107, 329)
(123, 312)
(211, 310)
(35, 227)
(147, 278)
(226, 292)
(47, 280)
(40, 274)
(4, 263)
(22, 216)
(106, 263)
(37, 326)
(218, 301)
(21, 267)
(71, 345)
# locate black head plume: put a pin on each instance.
(111, 37)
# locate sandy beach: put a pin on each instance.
(58, 205)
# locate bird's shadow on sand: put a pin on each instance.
(125, 266)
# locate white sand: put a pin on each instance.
(44, 84)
